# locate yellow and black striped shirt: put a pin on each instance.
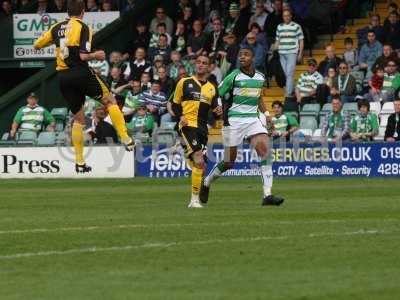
(71, 37)
(194, 99)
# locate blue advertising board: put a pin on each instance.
(304, 160)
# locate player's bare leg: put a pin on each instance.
(230, 154)
(78, 142)
(260, 143)
(198, 166)
(118, 121)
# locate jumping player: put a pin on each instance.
(73, 40)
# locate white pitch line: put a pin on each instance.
(96, 249)
(131, 226)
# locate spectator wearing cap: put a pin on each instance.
(284, 123)
(260, 15)
(142, 121)
(337, 122)
(155, 101)
(387, 54)
(369, 52)
(155, 37)
(32, 117)
(161, 17)
(273, 20)
(364, 125)
(375, 25)
(138, 66)
(344, 84)
(307, 84)
(214, 41)
(331, 60)
(259, 50)
(392, 132)
(196, 40)
(391, 30)
(290, 45)
(179, 39)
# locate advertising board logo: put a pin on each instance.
(20, 51)
(12, 164)
(43, 24)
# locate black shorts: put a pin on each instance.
(193, 140)
(77, 83)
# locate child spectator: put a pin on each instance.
(142, 122)
(363, 126)
(350, 55)
(376, 84)
(284, 123)
(145, 81)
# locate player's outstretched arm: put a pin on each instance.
(45, 40)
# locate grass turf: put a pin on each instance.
(135, 239)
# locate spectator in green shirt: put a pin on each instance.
(284, 123)
(336, 123)
(364, 126)
(142, 122)
(32, 117)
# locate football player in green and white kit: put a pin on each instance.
(241, 94)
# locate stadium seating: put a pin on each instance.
(350, 107)
(164, 136)
(60, 138)
(308, 122)
(5, 140)
(46, 139)
(27, 138)
(310, 110)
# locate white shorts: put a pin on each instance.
(234, 134)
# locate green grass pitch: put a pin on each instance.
(135, 239)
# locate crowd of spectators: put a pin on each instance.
(162, 50)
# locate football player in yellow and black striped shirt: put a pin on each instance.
(193, 99)
(73, 40)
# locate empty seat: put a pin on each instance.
(167, 125)
(350, 107)
(60, 138)
(387, 108)
(5, 141)
(46, 139)
(381, 134)
(384, 119)
(27, 138)
(162, 136)
(317, 135)
(375, 107)
(308, 123)
(60, 113)
(310, 109)
(59, 126)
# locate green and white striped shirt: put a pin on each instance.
(308, 82)
(102, 65)
(242, 93)
(33, 118)
(288, 36)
